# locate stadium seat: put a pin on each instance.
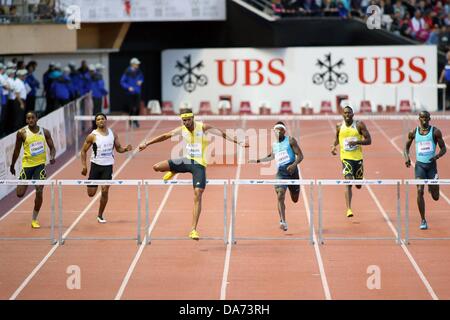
(224, 107)
(325, 107)
(154, 107)
(286, 107)
(365, 106)
(245, 108)
(205, 108)
(264, 108)
(167, 108)
(405, 106)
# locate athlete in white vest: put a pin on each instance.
(103, 141)
(426, 138)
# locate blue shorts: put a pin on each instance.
(187, 165)
(426, 170)
(284, 175)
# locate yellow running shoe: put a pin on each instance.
(194, 235)
(169, 175)
(35, 224)
(349, 213)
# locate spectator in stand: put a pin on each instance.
(444, 39)
(33, 85)
(18, 96)
(445, 78)
(433, 39)
(416, 24)
(47, 81)
(3, 98)
(342, 10)
(61, 89)
(75, 79)
(98, 89)
(329, 8)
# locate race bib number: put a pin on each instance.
(347, 147)
(37, 148)
(425, 147)
(194, 150)
(107, 151)
(282, 158)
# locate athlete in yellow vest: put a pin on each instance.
(34, 139)
(194, 159)
(350, 136)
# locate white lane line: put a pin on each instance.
(50, 253)
(130, 271)
(226, 268)
(323, 276)
(405, 249)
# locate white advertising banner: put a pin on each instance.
(146, 10)
(381, 74)
(54, 122)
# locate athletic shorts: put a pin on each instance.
(198, 171)
(100, 172)
(354, 168)
(426, 170)
(33, 173)
(284, 175)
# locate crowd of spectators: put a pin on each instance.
(60, 85)
(426, 21)
(26, 11)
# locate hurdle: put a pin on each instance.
(320, 183)
(87, 183)
(234, 183)
(155, 182)
(50, 183)
(420, 182)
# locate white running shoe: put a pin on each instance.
(101, 220)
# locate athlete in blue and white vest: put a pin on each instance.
(287, 155)
(426, 138)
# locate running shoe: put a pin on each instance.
(285, 227)
(194, 235)
(101, 220)
(169, 175)
(35, 224)
(349, 213)
(424, 225)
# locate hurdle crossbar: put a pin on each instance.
(417, 182)
(50, 183)
(302, 182)
(154, 182)
(87, 183)
(329, 182)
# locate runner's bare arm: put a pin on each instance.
(441, 143)
(87, 144)
(221, 133)
(336, 140)
(51, 145)
(269, 157)
(18, 145)
(411, 136)
(119, 147)
(160, 138)
(362, 129)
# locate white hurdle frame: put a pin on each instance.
(363, 183)
(416, 182)
(61, 183)
(274, 182)
(155, 182)
(50, 183)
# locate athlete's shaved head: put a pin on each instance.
(424, 113)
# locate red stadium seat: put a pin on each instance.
(365, 106)
(325, 107)
(167, 108)
(405, 106)
(205, 108)
(245, 108)
(286, 107)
